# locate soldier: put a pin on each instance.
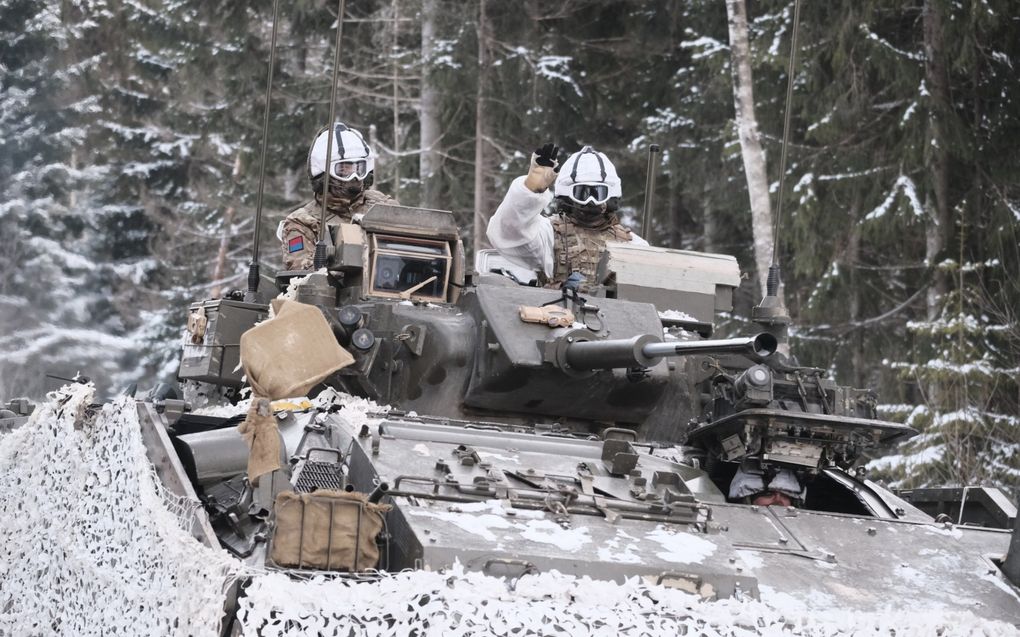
(752, 485)
(587, 193)
(352, 166)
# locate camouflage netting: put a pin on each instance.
(459, 603)
(91, 545)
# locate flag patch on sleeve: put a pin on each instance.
(296, 244)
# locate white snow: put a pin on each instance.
(224, 411)
(905, 186)
(683, 548)
(908, 113)
(822, 122)
(557, 67)
(707, 46)
(549, 532)
(480, 525)
(918, 57)
(611, 551)
(676, 315)
(750, 559)
(489, 455)
(483, 518)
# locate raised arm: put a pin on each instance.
(518, 229)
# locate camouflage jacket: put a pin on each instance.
(300, 230)
(578, 249)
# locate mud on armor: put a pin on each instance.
(578, 249)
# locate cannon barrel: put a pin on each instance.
(645, 350)
(759, 346)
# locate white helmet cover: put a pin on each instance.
(348, 145)
(748, 481)
(587, 166)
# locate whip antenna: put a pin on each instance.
(771, 313)
(253, 267)
(772, 284)
(320, 244)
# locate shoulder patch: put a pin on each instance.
(295, 244)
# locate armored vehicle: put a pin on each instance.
(517, 429)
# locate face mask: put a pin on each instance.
(589, 215)
(342, 193)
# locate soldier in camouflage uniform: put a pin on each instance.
(587, 192)
(352, 170)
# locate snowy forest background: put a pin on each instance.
(130, 136)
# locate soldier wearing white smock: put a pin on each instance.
(587, 193)
(352, 171)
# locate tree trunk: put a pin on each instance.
(221, 254)
(937, 232)
(709, 226)
(674, 211)
(220, 267)
(851, 263)
(750, 139)
(482, 212)
(428, 116)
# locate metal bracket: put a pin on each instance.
(413, 337)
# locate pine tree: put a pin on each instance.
(54, 279)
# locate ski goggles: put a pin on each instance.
(349, 170)
(590, 193)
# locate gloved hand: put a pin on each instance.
(544, 167)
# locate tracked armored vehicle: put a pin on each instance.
(516, 429)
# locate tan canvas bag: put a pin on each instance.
(329, 530)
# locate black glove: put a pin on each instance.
(547, 156)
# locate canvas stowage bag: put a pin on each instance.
(291, 353)
(283, 357)
(329, 530)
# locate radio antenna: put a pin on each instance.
(253, 267)
(320, 245)
(774, 281)
(771, 313)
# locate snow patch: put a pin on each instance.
(682, 547)
(548, 532)
(677, 315)
(905, 186)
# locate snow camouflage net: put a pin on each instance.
(89, 541)
(90, 544)
(460, 603)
